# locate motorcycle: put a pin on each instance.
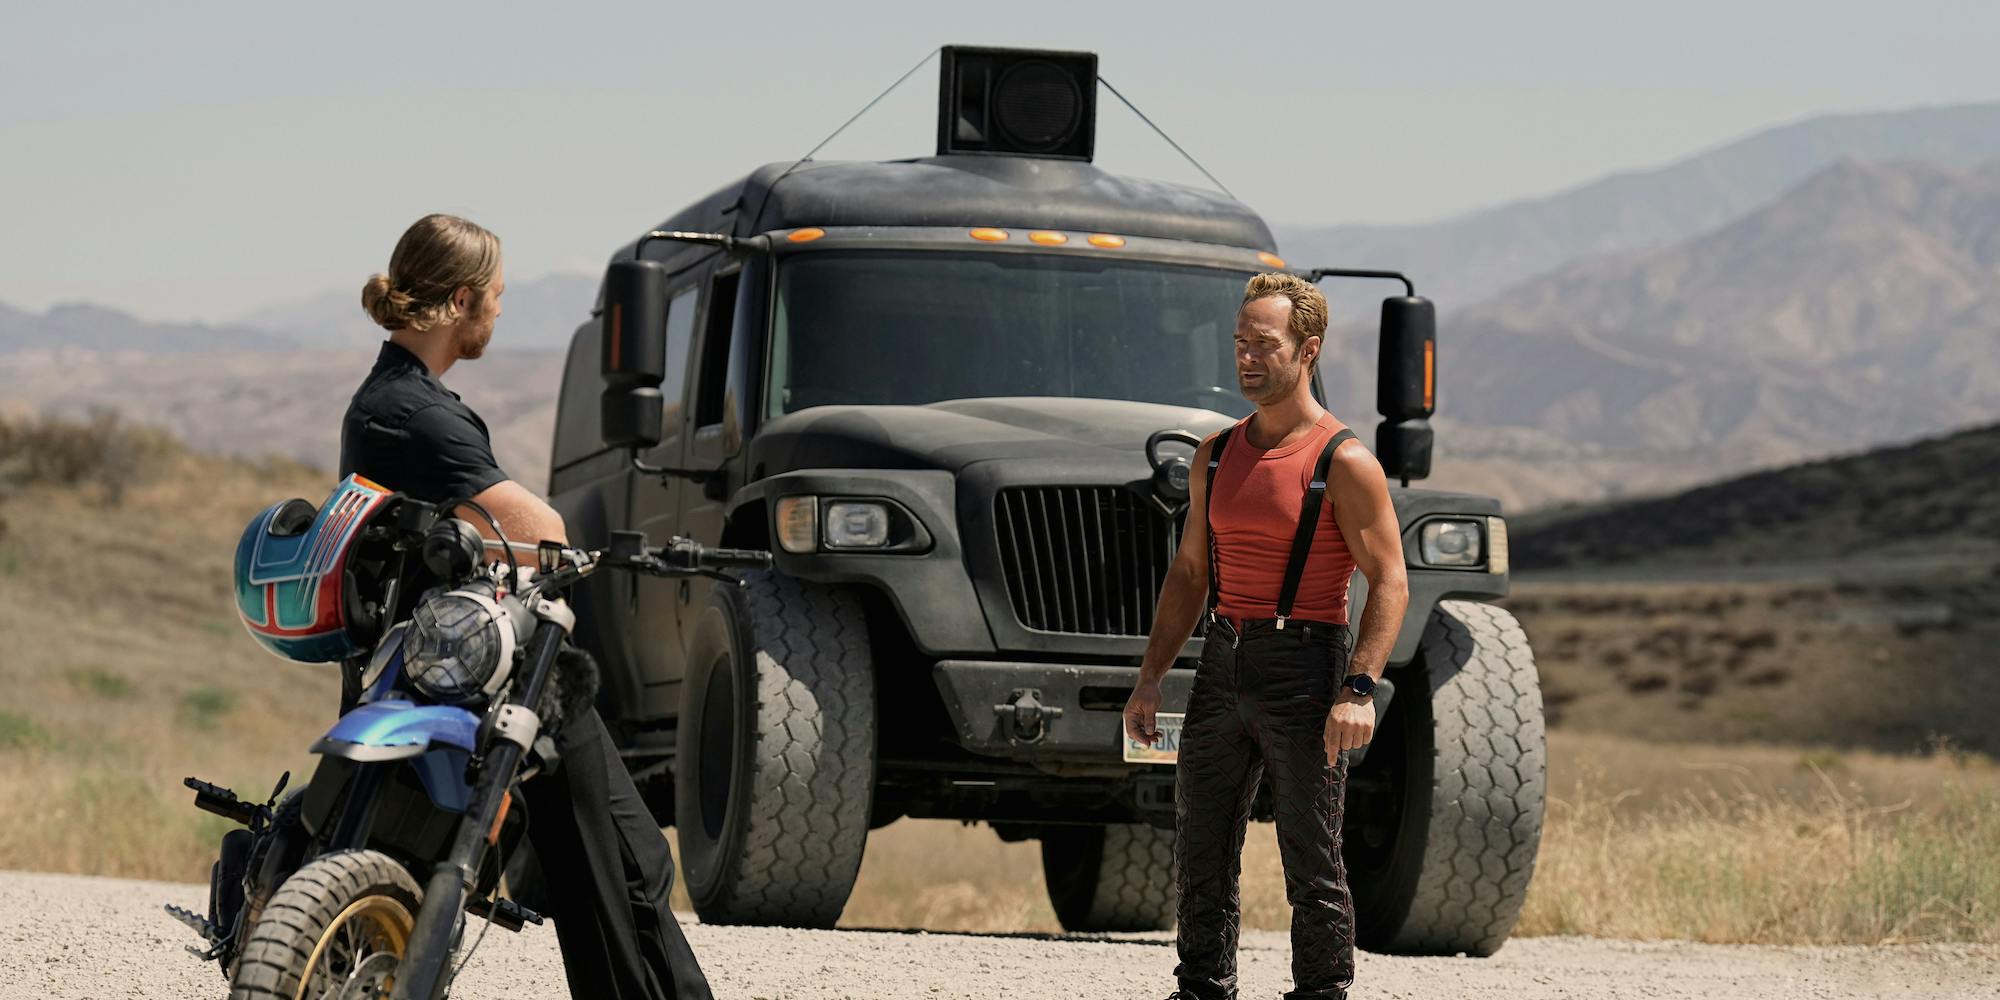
(362, 883)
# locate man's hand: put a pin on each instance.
(1349, 726)
(1142, 713)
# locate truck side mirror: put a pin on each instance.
(635, 352)
(1406, 386)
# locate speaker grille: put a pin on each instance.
(1037, 105)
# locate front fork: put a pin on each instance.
(509, 732)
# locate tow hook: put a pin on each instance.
(1031, 717)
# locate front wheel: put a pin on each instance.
(337, 928)
(775, 769)
(1444, 813)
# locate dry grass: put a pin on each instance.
(1763, 845)
(123, 666)
(123, 670)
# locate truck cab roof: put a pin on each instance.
(965, 190)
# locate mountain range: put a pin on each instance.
(1467, 258)
(537, 314)
(1858, 304)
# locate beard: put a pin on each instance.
(1277, 383)
(472, 343)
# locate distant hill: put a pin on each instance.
(1931, 496)
(98, 329)
(1464, 259)
(285, 403)
(537, 314)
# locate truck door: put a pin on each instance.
(719, 405)
(655, 506)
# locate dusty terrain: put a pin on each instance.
(76, 937)
(1722, 772)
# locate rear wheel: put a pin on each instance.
(338, 928)
(775, 766)
(1444, 812)
(1110, 878)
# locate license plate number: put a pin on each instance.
(1167, 751)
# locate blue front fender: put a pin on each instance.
(392, 730)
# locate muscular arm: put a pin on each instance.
(1368, 523)
(1183, 598)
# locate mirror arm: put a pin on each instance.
(663, 473)
(733, 245)
(1317, 273)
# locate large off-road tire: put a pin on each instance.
(1110, 878)
(1444, 814)
(341, 917)
(775, 763)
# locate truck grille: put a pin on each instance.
(1084, 559)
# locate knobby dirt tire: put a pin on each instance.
(786, 849)
(1114, 878)
(1474, 777)
(299, 913)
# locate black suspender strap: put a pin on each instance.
(1208, 512)
(1302, 539)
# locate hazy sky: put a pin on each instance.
(201, 160)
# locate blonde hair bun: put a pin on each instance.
(437, 256)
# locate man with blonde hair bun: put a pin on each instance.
(607, 865)
(1290, 506)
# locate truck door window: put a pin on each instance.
(680, 337)
(711, 390)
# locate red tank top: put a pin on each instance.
(1254, 511)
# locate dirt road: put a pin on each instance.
(74, 937)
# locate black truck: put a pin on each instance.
(956, 396)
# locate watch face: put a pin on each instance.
(1361, 684)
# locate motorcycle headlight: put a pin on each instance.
(460, 647)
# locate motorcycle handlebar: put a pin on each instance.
(735, 559)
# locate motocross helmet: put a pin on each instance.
(295, 587)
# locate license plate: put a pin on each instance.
(1167, 751)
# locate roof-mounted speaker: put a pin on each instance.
(1017, 102)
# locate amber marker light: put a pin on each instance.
(806, 235)
(1270, 259)
(1047, 239)
(988, 235)
(1107, 242)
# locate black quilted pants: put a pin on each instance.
(609, 873)
(1259, 709)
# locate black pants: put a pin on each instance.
(608, 872)
(1259, 708)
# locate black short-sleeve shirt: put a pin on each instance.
(408, 432)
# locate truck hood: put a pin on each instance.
(957, 433)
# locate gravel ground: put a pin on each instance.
(73, 936)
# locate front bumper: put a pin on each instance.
(1004, 709)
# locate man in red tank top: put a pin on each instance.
(1289, 507)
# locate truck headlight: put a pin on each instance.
(853, 524)
(806, 524)
(1452, 542)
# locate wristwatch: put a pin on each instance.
(1361, 684)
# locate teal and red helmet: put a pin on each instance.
(293, 589)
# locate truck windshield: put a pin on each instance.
(890, 327)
